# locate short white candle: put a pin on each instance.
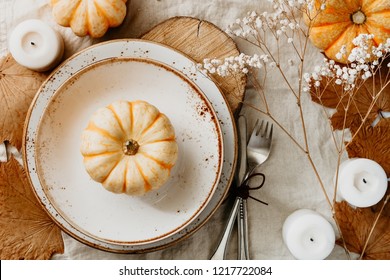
(308, 235)
(361, 182)
(35, 45)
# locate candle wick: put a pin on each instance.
(32, 43)
(364, 181)
(311, 239)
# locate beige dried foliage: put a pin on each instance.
(26, 231)
(372, 142)
(331, 95)
(18, 86)
(356, 225)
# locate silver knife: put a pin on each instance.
(242, 222)
(220, 252)
(242, 161)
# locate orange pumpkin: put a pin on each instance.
(343, 20)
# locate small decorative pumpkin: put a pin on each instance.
(343, 20)
(89, 17)
(129, 147)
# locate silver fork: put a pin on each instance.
(259, 145)
(258, 150)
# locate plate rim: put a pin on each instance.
(134, 250)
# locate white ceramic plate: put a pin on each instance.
(130, 70)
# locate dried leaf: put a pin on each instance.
(331, 95)
(18, 86)
(26, 231)
(372, 143)
(356, 224)
(328, 94)
(377, 207)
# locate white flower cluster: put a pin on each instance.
(233, 64)
(291, 3)
(363, 60)
(280, 21)
(253, 25)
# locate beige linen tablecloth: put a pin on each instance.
(290, 181)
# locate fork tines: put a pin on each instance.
(258, 128)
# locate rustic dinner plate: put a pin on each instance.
(129, 70)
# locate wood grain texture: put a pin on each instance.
(200, 39)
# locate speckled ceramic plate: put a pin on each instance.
(129, 70)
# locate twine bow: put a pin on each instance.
(244, 189)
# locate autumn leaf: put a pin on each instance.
(328, 94)
(26, 231)
(18, 86)
(377, 207)
(352, 108)
(372, 143)
(356, 224)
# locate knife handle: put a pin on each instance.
(220, 252)
(242, 142)
(242, 170)
(243, 247)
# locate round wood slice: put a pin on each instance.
(200, 39)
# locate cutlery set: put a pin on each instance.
(252, 153)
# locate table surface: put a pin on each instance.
(290, 181)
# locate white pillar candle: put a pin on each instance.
(361, 182)
(308, 235)
(35, 45)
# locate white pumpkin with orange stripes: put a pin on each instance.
(129, 147)
(89, 17)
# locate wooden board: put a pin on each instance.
(200, 39)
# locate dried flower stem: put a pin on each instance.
(375, 99)
(373, 226)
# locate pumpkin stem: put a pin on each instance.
(130, 147)
(358, 17)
